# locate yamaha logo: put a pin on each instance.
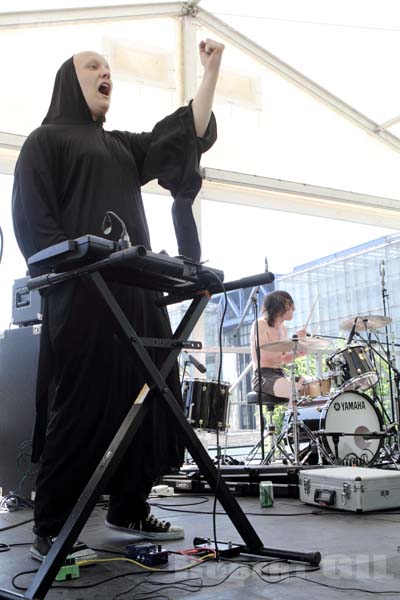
(350, 405)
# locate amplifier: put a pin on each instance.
(26, 303)
(19, 353)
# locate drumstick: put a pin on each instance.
(311, 312)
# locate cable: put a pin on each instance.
(259, 377)
(1, 244)
(180, 585)
(82, 563)
(14, 500)
(183, 585)
(176, 508)
(203, 500)
(74, 586)
(217, 407)
(266, 514)
(15, 525)
(347, 589)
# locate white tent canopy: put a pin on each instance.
(307, 108)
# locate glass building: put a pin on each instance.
(359, 281)
(346, 284)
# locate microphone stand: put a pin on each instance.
(373, 352)
(295, 403)
(393, 402)
(254, 300)
(246, 308)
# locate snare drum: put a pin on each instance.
(352, 368)
(205, 403)
(314, 388)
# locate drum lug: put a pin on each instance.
(346, 493)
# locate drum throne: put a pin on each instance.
(271, 402)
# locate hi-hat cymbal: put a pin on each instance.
(309, 345)
(366, 322)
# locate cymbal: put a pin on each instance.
(366, 322)
(309, 345)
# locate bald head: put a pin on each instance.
(93, 73)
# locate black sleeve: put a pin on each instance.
(35, 208)
(171, 153)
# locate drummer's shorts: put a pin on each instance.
(268, 378)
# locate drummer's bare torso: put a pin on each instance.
(266, 333)
(274, 360)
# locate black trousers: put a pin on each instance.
(95, 383)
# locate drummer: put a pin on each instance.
(278, 307)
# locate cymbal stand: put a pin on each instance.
(394, 401)
(254, 300)
(294, 400)
(295, 424)
(394, 425)
(298, 423)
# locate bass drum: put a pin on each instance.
(347, 412)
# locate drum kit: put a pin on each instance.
(334, 421)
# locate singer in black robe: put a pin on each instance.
(69, 173)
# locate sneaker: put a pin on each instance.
(41, 547)
(151, 528)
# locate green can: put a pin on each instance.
(266, 494)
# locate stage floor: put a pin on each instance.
(359, 551)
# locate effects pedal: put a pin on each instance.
(147, 554)
(225, 549)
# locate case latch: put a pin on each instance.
(345, 495)
(307, 484)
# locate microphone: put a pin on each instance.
(106, 226)
(246, 282)
(352, 332)
(195, 363)
(382, 272)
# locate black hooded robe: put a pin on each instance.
(69, 173)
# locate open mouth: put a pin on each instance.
(105, 89)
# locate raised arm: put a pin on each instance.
(210, 53)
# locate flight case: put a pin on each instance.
(357, 489)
